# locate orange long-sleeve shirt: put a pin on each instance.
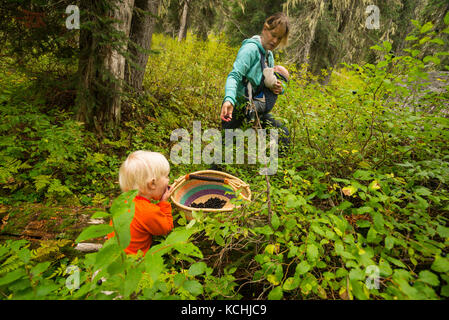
(149, 220)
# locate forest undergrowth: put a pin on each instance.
(358, 208)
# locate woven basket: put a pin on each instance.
(187, 190)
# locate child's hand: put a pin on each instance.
(166, 194)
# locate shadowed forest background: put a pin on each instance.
(365, 182)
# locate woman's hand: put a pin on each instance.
(277, 88)
(226, 111)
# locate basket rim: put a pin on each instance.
(181, 180)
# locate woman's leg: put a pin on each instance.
(268, 120)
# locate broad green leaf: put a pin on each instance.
(378, 221)
(389, 242)
(194, 287)
(429, 278)
(427, 27)
(275, 293)
(107, 254)
(132, 279)
(371, 236)
(358, 289)
(178, 236)
(94, 231)
(387, 45)
(312, 252)
(189, 249)
(100, 214)
(443, 231)
(356, 274)
(440, 264)
(302, 268)
(154, 265)
(197, 268)
(446, 18)
(39, 268)
(12, 276)
(291, 283)
(266, 230)
(122, 211)
(384, 268)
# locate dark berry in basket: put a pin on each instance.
(211, 203)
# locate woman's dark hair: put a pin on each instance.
(275, 20)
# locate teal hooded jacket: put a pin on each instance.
(247, 64)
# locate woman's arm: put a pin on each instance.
(246, 57)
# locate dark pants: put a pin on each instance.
(266, 120)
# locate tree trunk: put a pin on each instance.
(183, 23)
(101, 67)
(115, 62)
(142, 27)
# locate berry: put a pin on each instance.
(355, 241)
(410, 283)
(364, 244)
(211, 203)
(99, 282)
(443, 254)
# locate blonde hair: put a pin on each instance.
(275, 20)
(140, 168)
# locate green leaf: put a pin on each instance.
(39, 268)
(387, 45)
(178, 236)
(443, 231)
(194, 287)
(356, 274)
(440, 264)
(302, 268)
(371, 236)
(266, 230)
(154, 265)
(384, 268)
(389, 242)
(94, 231)
(189, 249)
(376, 47)
(275, 294)
(100, 214)
(446, 18)
(427, 27)
(132, 279)
(107, 254)
(429, 278)
(411, 38)
(122, 211)
(312, 252)
(378, 221)
(275, 221)
(423, 191)
(197, 268)
(291, 284)
(12, 276)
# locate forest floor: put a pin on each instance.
(36, 222)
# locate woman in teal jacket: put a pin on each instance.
(247, 67)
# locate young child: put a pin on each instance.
(265, 101)
(147, 172)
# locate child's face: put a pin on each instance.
(161, 185)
